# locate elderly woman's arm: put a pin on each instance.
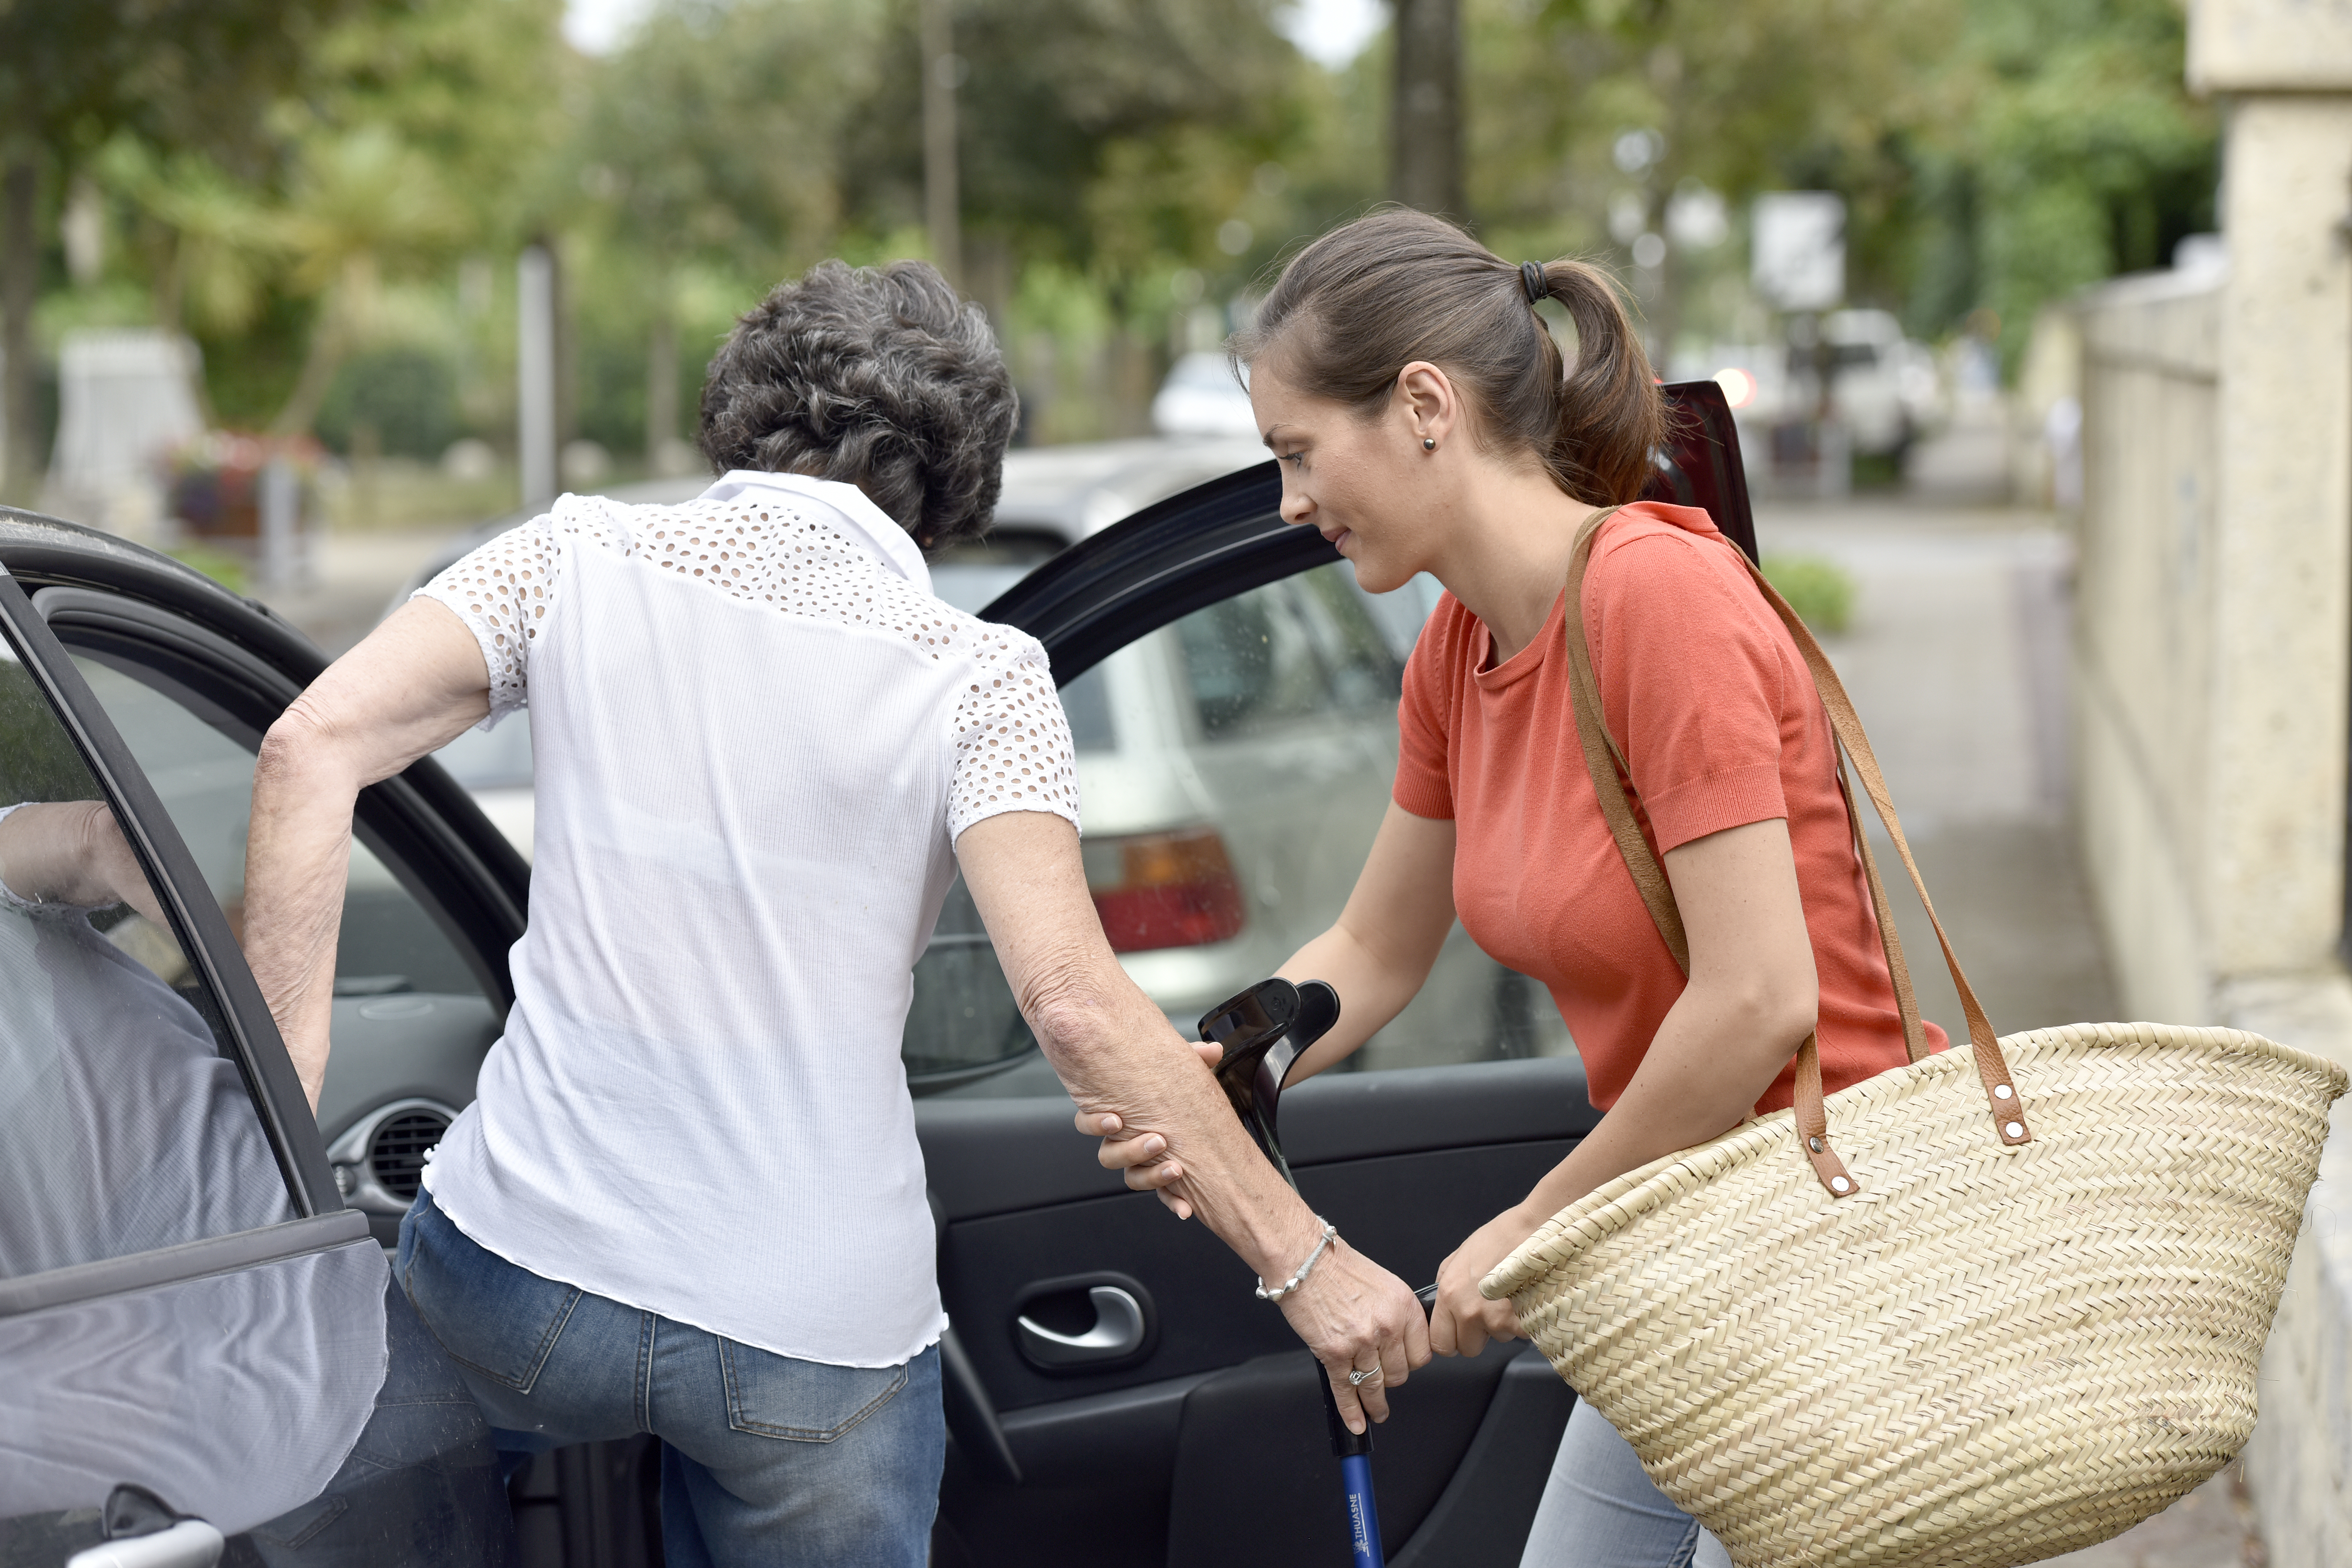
(1116, 1054)
(416, 683)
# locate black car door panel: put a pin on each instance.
(1404, 1162)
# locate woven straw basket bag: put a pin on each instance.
(2026, 1318)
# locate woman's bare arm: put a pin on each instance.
(414, 685)
(1753, 995)
(1379, 953)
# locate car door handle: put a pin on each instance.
(1117, 1331)
(190, 1543)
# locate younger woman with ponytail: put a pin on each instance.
(1425, 422)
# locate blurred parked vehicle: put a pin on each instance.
(1884, 389)
(1882, 385)
(1201, 396)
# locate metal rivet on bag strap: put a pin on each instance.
(1814, 1144)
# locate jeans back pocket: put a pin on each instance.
(772, 1395)
(494, 1316)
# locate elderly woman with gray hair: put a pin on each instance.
(688, 1199)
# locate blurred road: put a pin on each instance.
(1957, 661)
(354, 577)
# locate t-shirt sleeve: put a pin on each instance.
(1422, 786)
(1692, 685)
(503, 591)
(1013, 749)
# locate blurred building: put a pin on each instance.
(2213, 658)
(126, 401)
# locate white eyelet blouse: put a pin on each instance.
(756, 736)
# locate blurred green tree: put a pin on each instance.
(428, 130)
(1591, 114)
(2071, 151)
(189, 74)
(1995, 155)
(1106, 144)
(713, 140)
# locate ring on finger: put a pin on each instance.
(1363, 1375)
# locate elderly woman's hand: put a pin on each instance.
(1358, 1319)
(72, 852)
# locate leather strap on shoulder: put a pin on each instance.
(1614, 788)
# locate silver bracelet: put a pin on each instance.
(1330, 1234)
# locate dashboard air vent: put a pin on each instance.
(396, 1152)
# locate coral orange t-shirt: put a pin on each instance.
(1721, 725)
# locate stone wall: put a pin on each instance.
(2143, 636)
(2213, 660)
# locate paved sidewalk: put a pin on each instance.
(1957, 661)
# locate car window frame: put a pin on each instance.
(1219, 539)
(280, 1104)
(468, 879)
(451, 844)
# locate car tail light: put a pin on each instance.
(1163, 890)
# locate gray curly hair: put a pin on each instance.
(878, 377)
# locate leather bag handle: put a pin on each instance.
(1612, 787)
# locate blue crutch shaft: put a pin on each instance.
(1363, 1513)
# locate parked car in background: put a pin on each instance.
(1882, 385)
(1203, 395)
(1884, 389)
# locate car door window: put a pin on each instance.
(388, 941)
(1235, 767)
(411, 1018)
(1284, 736)
(126, 1123)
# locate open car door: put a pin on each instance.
(203, 1356)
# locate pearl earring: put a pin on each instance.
(1428, 443)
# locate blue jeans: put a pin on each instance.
(766, 1460)
(1601, 1510)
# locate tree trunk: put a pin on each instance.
(1425, 111)
(661, 391)
(942, 198)
(20, 278)
(320, 361)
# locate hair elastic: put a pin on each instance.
(1532, 279)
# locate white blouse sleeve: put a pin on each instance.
(1012, 744)
(503, 591)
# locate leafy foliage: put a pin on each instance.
(1817, 588)
(303, 185)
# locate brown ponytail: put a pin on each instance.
(1358, 305)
